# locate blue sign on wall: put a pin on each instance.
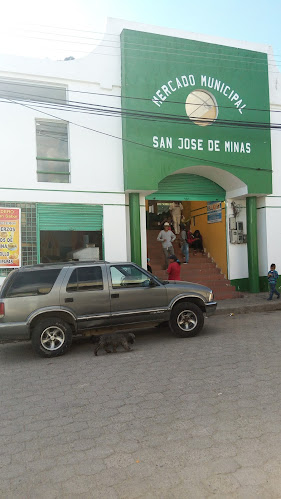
(214, 213)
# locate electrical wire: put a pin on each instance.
(194, 158)
(33, 85)
(179, 52)
(146, 46)
(110, 111)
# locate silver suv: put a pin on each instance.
(49, 303)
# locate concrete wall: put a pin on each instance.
(96, 162)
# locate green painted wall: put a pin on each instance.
(243, 284)
(158, 74)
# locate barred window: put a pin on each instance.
(52, 151)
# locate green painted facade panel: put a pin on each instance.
(162, 78)
(76, 217)
(184, 187)
(244, 285)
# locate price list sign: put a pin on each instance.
(10, 237)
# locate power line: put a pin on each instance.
(179, 52)
(147, 146)
(174, 119)
(147, 49)
(75, 29)
(104, 34)
(137, 46)
(111, 111)
(34, 85)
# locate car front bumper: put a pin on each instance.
(210, 308)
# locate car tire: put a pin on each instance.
(51, 337)
(186, 320)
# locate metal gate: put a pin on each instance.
(68, 217)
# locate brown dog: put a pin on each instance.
(114, 340)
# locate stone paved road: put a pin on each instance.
(175, 418)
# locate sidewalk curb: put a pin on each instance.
(258, 304)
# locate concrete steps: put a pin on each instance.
(200, 268)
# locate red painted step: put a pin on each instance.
(199, 269)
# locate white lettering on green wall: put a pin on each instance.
(178, 82)
(193, 144)
(210, 145)
(224, 89)
(230, 146)
(162, 142)
(209, 82)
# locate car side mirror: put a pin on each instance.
(148, 283)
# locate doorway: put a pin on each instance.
(197, 214)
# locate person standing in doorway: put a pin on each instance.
(272, 280)
(184, 243)
(166, 237)
(176, 210)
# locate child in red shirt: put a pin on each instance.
(174, 269)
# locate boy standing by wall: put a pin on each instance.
(272, 280)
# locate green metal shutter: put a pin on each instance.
(80, 217)
(188, 187)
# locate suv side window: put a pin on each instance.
(36, 282)
(128, 276)
(85, 279)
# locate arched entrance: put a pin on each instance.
(203, 184)
(197, 195)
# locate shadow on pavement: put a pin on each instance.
(22, 352)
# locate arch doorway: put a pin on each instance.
(203, 202)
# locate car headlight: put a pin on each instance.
(211, 296)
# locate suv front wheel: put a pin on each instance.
(186, 320)
(51, 337)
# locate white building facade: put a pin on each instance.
(77, 183)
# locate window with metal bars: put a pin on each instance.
(52, 151)
(28, 233)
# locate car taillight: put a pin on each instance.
(2, 309)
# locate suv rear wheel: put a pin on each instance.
(186, 320)
(51, 337)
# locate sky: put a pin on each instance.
(61, 28)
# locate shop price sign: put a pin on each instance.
(10, 237)
(214, 213)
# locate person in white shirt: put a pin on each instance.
(166, 237)
(176, 209)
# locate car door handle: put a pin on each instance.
(67, 300)
(116, 295)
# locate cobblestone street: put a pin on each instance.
(174, 418)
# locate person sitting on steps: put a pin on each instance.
(199, 241)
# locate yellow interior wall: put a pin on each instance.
(214, 235)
